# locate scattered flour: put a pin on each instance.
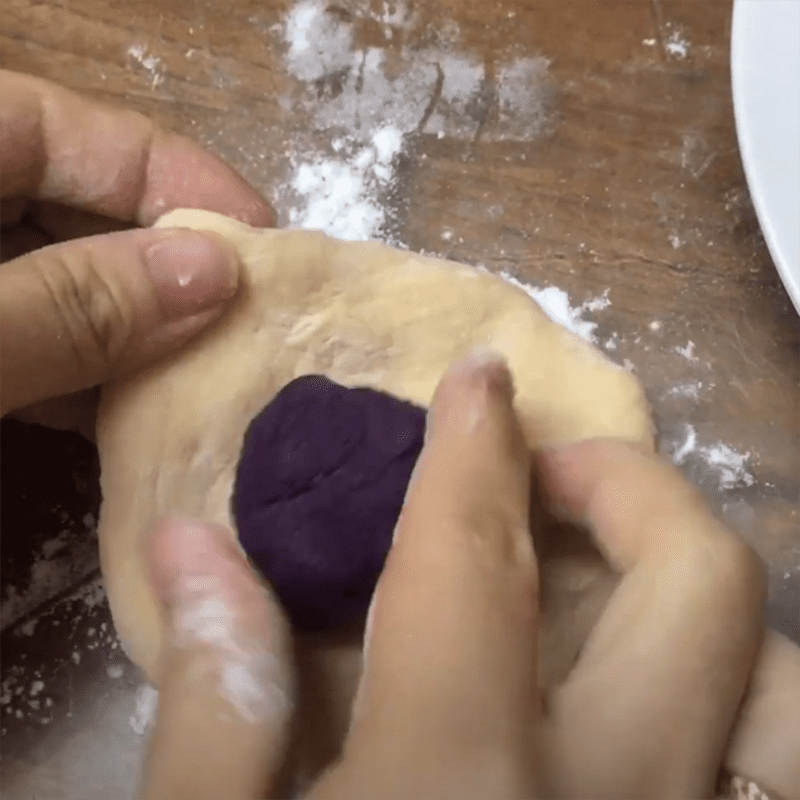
(61, 562)
(522, 109)
(146, 704)
(687, 351)
(319, 43)
(788, 573)
(354, 89)
(55, 545)
(676, 45)
(728, 466)
(251, 677)
(150, 63)
(348, 88)
(374, 107)
(688, 446)
(342, 196)
(20, 696)
(555, 303)
(597, 303)
(690, 389)
(462, 78)
(92, 594)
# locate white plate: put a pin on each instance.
(765, 68)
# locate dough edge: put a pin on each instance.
(166, 449)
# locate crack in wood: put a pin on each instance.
(488, 99)
(436, 95)
(658, 17)
(360, 77)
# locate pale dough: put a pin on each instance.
(364, 315)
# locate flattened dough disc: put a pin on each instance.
(364, 315)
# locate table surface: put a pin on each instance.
(583, 146)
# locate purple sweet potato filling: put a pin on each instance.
(319, 487)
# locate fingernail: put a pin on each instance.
(463, 395)
(192, 271)
(481, 356)
(487, 363)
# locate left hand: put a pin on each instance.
(75, 312)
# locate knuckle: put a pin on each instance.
(727, 572)
(90, 311)
(742, 572)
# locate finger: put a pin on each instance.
(637, 506)
(76, 314)
(450, 654)
(225, 696)
(765, 745)
(56, 145)
(472, 413)
(648, 709)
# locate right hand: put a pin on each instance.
(448, 694)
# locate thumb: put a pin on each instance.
(226, 672)
(450, 650)
(75, 314)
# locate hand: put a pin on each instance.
(77, 312)
(448, 704)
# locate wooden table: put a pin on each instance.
(582, 145)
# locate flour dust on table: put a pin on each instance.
(359, 96)
(722, 463)
(352, 92)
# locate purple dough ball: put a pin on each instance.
(319, 487)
